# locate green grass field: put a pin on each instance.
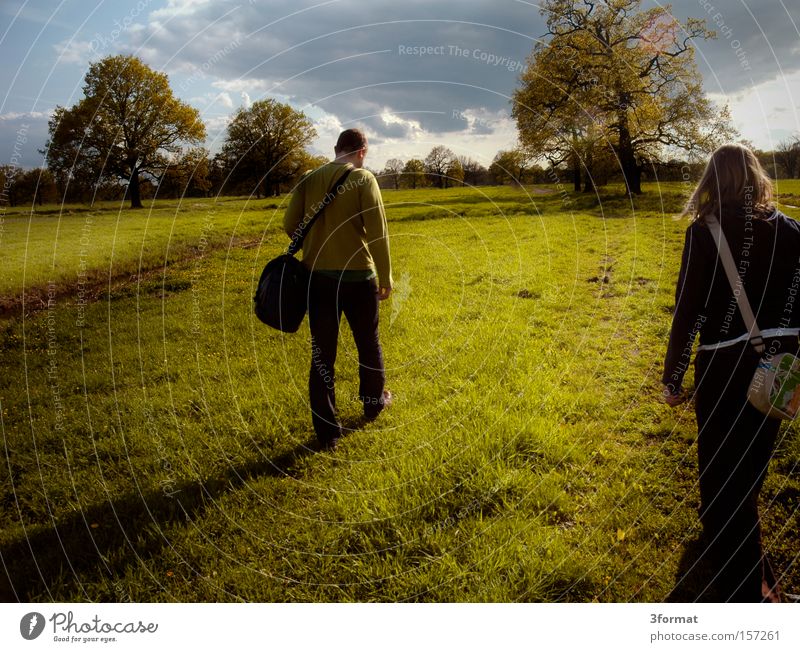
(158, 443)
(57, 248)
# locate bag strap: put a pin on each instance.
(735, 282)
(300, 232)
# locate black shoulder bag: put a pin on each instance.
(281, 299)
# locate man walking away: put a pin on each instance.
(347, 253)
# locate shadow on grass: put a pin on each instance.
(694, 577)
(54, 562)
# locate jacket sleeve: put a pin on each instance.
(295, 210)
(377, 233)
(691, 295)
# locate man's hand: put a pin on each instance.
(673, 400)
(383, 293)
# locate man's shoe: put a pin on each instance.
(386, 401)
(328, 444)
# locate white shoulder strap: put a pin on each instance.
(736, 283)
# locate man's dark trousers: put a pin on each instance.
(358, 300)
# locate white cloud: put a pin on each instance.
(179, 8)
(328, 129)
(241, 85)
(225, 100)
(212, 104)
(482, 133)
(412, 126)
(215, 131)
(246, 103)
(766, 113)
(27, 115)
(73, 51)
(480, 146)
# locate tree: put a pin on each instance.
(265, 143)
(36, 186)
(392, 170)
(217, 173)
(551, 124)
(436, 164)
(414, 174)
(611, 73)
(455, 173)
(125, 126)
(787, 155)
(77, 170)
(312, 161)
(474, 172)
(187, 175)
(9, 185)
(306, 163)
(510, 165)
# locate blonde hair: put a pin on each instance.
(733, 177)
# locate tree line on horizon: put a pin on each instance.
(612, 94)
(196, 174)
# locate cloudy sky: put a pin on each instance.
(413, 73)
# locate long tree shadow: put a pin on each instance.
(54, 562)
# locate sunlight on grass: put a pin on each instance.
(161, 434)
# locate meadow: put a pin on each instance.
(158, 443)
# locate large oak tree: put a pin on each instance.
(125, 126)
(611, 74)
(265, 145)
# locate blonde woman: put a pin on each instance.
(735, 441)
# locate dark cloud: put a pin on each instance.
(391, 130)
(360, 59)
(756, 40)
(426, 62)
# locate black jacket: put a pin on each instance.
(767, 254)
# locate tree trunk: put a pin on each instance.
(576, 169)
(576, 173)
(636, 181)
(588, 176)
(589, 184)
(630, 170)
(632, 173)
(134, 190)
